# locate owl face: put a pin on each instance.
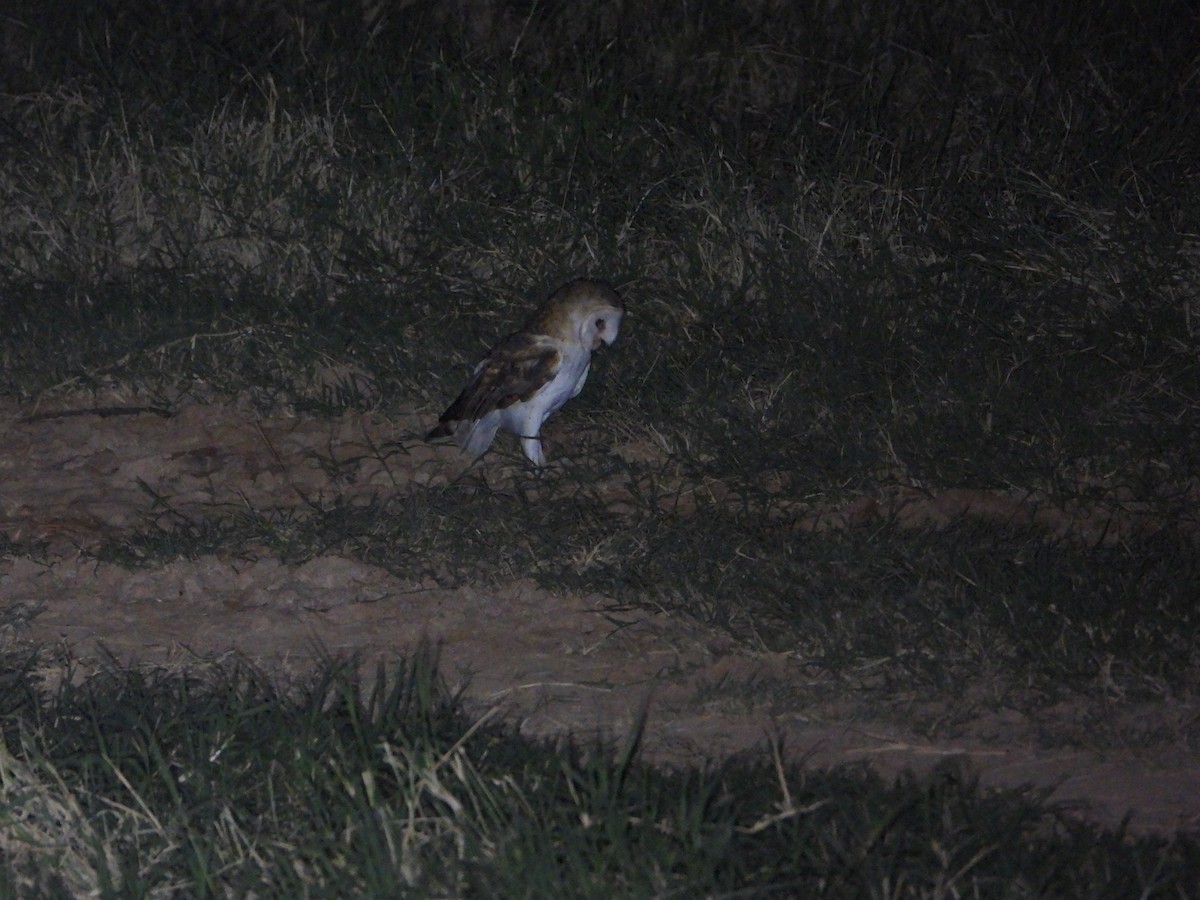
(587, 313)
(530, 374)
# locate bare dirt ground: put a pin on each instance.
(85, 472)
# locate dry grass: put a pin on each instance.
(850, 270)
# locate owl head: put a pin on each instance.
(582, 311)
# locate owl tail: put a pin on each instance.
(475, 437)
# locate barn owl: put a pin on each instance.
(531, 374)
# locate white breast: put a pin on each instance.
(568, 382)
(526, 418)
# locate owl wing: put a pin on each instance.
(516, 369)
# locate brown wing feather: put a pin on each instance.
(515, 370)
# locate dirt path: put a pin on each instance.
(554, 663)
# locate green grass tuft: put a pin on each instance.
(220, 780)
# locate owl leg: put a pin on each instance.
(533, 449)
(525, 421)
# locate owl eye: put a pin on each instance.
(600, 325)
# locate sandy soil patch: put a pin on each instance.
(72, 479)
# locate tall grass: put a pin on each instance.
(219, 781)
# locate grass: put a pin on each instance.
(217, 781)
(864, 249)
